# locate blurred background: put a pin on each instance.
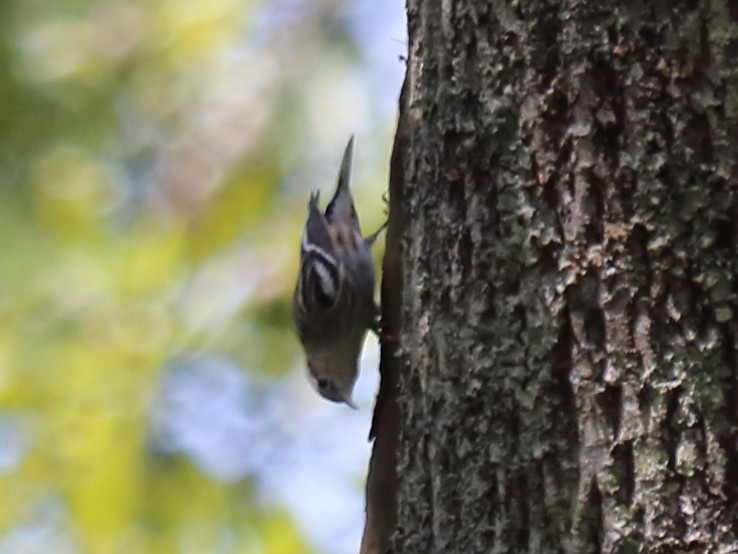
(156, 157)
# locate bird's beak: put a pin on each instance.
(349, 401)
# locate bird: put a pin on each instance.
(333, 304)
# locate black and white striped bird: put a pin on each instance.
(333, 306)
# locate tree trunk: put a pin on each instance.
(568, 322)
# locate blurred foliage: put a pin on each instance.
(153, 161)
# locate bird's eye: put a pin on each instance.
(323, 383)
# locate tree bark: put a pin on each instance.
(567, 362)
(381, 482)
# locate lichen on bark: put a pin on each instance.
(569, 375)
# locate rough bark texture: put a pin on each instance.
(569, 310)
